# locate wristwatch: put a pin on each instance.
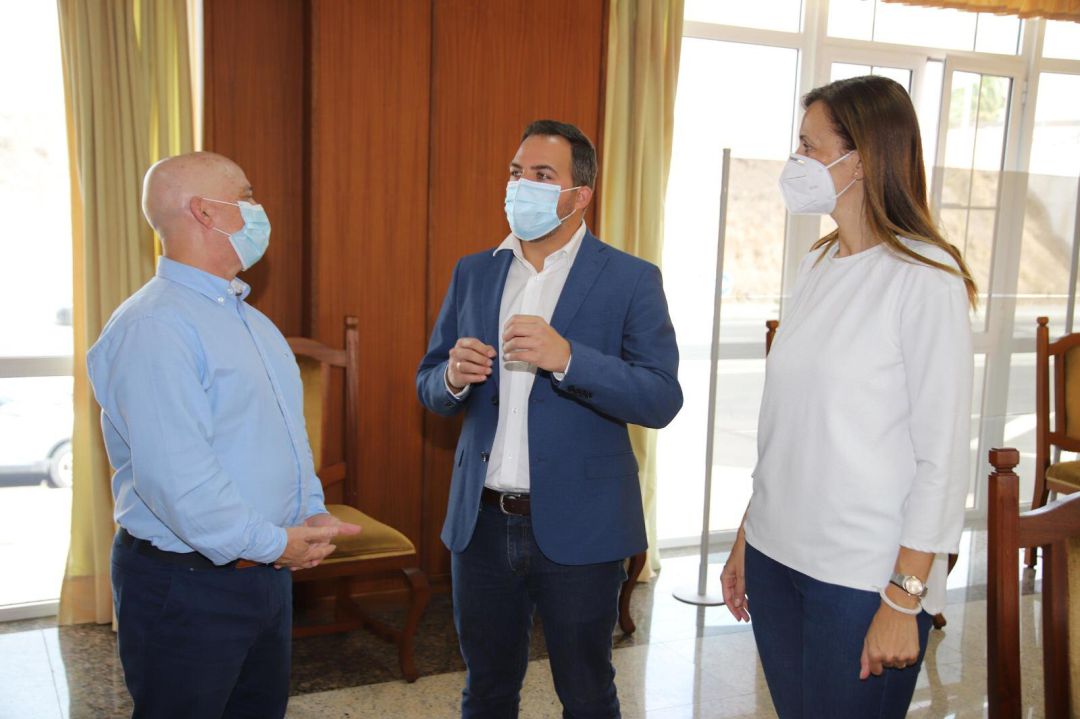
(910, 584)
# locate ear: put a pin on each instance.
(198, 208)
(858, 169)
(583, 198)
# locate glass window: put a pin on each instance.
(924, 27)
(974, 152)
(932, 27)
(765, 14)
(998, 33)
(35, 307)
(1050, 211)
(976, 413)
(928, 108)
(851, 19)
(842, 71)
(1020, 419)
(753, 262)
(1062, 40)
(35, 247)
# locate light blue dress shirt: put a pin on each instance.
(202, 412)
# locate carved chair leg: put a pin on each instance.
(419, 595)
(633, 571)
(1038, 499)
(939, 618)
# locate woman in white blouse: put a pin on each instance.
(863, 436)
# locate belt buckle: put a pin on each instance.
(502, 498)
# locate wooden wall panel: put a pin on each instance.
(496, 66)
(378, 134)
(370, 79)
(255, 54)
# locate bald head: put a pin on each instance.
(191, 201)
(171, 184)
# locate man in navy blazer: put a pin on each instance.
(551, 344)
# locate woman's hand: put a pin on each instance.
(891, 641)
(733, 580)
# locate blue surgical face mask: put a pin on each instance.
(532, 208)
(251, 240)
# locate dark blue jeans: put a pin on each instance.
(499, 580)
(809, 637)
(202, 643)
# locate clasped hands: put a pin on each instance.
(310, 543)
(526, 338)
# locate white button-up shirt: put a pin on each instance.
(526, 292)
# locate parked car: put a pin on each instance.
(35, 437)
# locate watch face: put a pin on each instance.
(913, 586)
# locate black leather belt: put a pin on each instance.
(507, 502)
(188, 560)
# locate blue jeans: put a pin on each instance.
(499, 580)
(809, 637)
(204, 643)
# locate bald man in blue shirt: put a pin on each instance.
(215, 489)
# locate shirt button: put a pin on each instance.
(515, 410)
(221, 300)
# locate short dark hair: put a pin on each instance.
(582, 150)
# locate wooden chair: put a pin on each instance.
(770, 333)
(634, 565)
(379, 551)
(1056, 528)
(1061, 477)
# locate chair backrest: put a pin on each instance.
(1056, 528)
(318, 363)
(770, 334)
(1065, 431)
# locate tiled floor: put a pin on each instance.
(682, 662)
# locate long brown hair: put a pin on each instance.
(874, 116)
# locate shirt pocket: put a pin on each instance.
(607, 466)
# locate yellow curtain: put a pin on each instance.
(644, 39)
(1050, 9)
(127, 85)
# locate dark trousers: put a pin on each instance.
(809, 636)
(499, 580)
(204, 643)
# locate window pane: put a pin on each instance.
(1050, 213)
(35, 246)
(899, 74)
(851, 18)
(1020, 419)
(997, 33)
(928, 107)
(35, 480)
(35, 306)
(1062, 40)
(753, 261)
(766, 14)
(974, 152)
(979, 376)
(931, 27)
(843, 70)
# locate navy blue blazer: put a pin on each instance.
(586, 500)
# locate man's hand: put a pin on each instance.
(306, 547)
(470, 363)
(528, 338)
(328, 520)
